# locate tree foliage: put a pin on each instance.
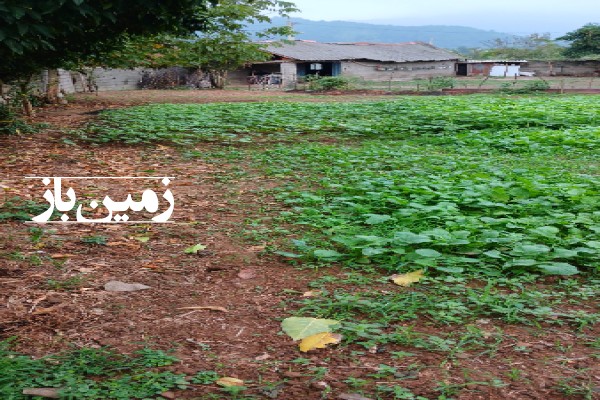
(43, 34)
(224, 44)
(532, 47)
(585, 41)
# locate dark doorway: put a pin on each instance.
(461, 69)
(319, 68)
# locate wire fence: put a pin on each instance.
(555, 83)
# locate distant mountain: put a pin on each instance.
(449, 37)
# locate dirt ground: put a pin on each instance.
(53, 294)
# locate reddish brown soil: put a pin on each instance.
(245, 341)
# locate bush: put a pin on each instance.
(11, 124)
(529, 87)
(324, 83)
(441, 82)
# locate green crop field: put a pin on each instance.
(494, 200)
(499, 189)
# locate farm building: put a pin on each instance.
(369, 61)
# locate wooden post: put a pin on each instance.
(24, 95)
(52, 86)
(562, 86)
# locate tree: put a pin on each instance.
(47, 34)
(225, 43)
(533, 47)
(585, 41)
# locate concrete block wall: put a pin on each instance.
(563, 68)
(372, 71)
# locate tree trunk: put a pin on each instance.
(24, 94)
(27, 107)
(52, 87)
(217, 79)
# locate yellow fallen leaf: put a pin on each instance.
(407, 279)
(228, 382)
(319, 341)
(312, 293)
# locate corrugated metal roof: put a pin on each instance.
(303, 50)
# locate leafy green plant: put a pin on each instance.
(88, 373)
(72, 283)
(325, 83)
(440, 82)
(12, 123)
(19, 209)
(94, 239)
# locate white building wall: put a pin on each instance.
(289, 72)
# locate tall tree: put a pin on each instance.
(46, 34)
(585, 41)
(224, 44)
(533, 47)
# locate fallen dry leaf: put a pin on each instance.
(214, 308)
(116, 286)
(312, 293)
(408, 278)
(352, 396)
(228, 382)
(60, 255)
(257, 249)
(319, 341)
(247, 274)
(51, 393)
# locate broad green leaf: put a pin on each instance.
(493, 254)
(547, 231)
(326, 254)
(530, 249)
(195, 249)
(558, 269)
(300, 327)
(411, 238)
(563, 253)
(524, 262)
(373, 251)
(428, 253)
(288, 254)
(375, 219)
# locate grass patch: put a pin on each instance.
(89, 374)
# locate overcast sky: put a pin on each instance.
(511, 16)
